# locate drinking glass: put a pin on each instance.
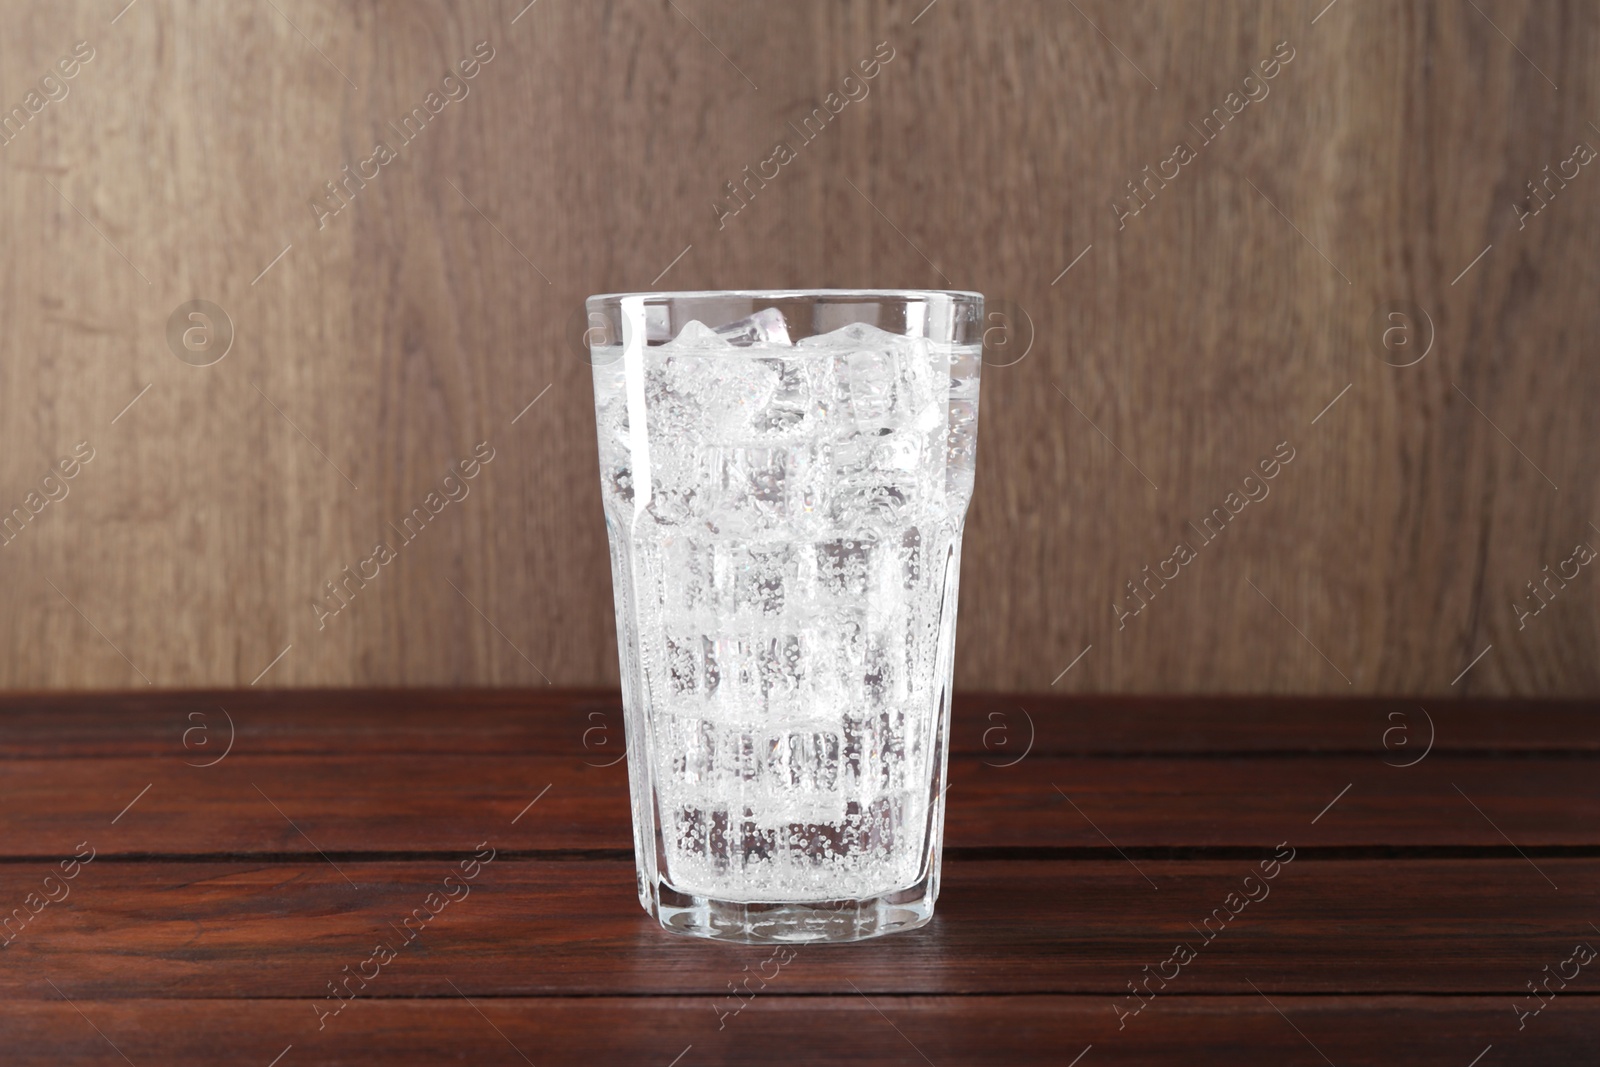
(785, 476)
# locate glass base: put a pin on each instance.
(758, 923)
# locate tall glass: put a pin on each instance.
(785, 477)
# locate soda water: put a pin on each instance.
(785, 526)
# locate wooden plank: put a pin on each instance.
(405, 804)
(684, 1031)
(1395, 729)
(588, 723)
(1335, 801)
(198, 724)
(531, 928)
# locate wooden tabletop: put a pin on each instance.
(184, 878)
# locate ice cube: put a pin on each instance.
(900, 452)
(855, 335)
(696, 334)
(889, 386)
(764, 327)
(798, 402)
(872, 378)
(739, 394)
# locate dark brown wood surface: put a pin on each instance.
(231, 882)
(1382, 170)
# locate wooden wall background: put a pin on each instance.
(1179, 349)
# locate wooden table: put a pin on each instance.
(251, 849)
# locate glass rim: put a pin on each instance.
(957, 296)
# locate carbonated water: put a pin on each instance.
(785, 527)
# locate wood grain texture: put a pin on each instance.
(283, 774)
(1190, 340)
(401, 804)
(543, 927)
(1016, 1031)
(208, 925)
